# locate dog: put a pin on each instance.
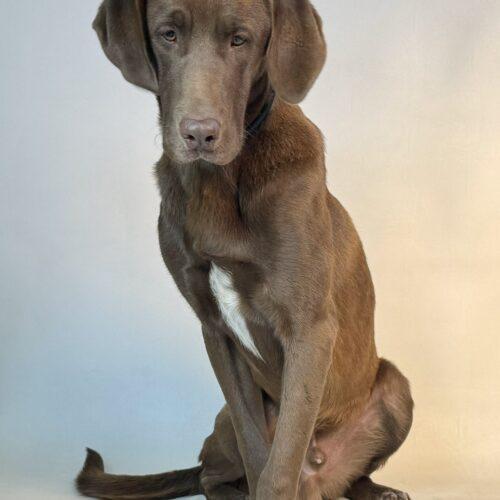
(267, 258)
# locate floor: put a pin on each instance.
(461, 492)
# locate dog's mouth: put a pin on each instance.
(190, 157)
(193, 156)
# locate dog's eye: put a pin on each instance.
(238, 41)
(170, 36)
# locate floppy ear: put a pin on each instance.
(121, 27)
(297, 50)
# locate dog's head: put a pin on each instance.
(209, 60)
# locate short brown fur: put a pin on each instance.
(319, 411)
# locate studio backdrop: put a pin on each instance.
(97, 347)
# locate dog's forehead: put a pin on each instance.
(249, 11)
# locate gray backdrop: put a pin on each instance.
(96, 346)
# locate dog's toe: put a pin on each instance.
(394, 495)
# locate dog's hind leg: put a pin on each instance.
(396, 408)
(341, 460)
(223, 474)
(338, 462)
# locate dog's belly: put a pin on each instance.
(229, 302)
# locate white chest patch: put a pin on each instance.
(221, 283)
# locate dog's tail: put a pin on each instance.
(94, 482)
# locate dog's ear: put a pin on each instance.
(121, 27)
(297, 49)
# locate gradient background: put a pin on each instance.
(97, 348)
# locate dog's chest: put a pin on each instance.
(229, 302)
(213, 227)
(212, 222)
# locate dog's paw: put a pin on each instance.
(390, 494)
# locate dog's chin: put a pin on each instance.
(220, 157)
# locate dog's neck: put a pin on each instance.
(259, 106)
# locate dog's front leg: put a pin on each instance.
(245, 403)
(307, 356)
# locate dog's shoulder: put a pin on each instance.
(289, 147)
(292, 138)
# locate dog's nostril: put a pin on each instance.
(200, 134)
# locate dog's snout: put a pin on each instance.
(201, 135)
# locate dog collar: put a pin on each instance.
(254, 128)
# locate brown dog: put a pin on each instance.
(265, 255)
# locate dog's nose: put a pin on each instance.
(200, 135)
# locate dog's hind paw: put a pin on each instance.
(391, 494)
